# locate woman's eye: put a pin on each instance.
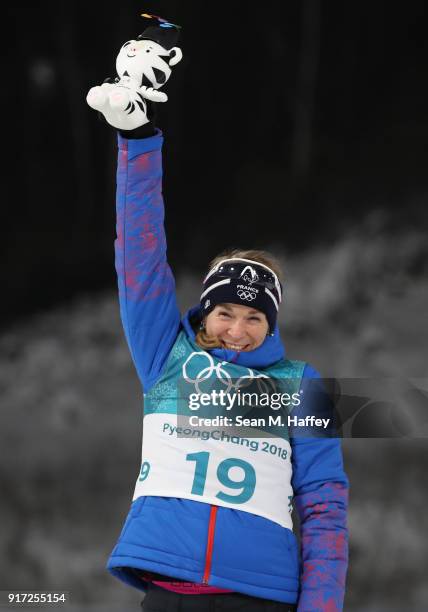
(255, 319)
(224, 314)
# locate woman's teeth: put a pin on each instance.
(235, 347)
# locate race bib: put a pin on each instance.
(216, 466)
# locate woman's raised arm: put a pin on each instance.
(148, 305)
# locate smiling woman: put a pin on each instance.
(240, 300)
(240, 323)
(235, 327)
(210, 525)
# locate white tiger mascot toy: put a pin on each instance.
(143, 66)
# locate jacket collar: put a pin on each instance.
(268, 353)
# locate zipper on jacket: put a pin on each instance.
(210, 543)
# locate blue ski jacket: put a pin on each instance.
(195, 541)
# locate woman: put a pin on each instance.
(217, 551)
(210, 523)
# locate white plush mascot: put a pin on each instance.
(143, 66)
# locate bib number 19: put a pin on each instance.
(246, 485)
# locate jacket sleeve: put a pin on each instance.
(148, 305)
(321, 497)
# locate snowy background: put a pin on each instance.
(71, 425)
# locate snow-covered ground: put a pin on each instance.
(71, 423)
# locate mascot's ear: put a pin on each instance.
(175, 55)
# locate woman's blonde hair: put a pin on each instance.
(202, 338)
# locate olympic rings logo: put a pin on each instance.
(246, 295)
(264, 383)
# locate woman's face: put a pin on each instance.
(239, 328)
